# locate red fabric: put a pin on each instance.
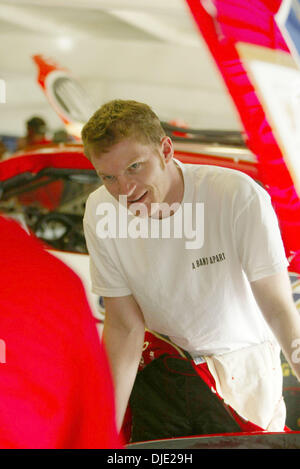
(55, 384)
(253, 22)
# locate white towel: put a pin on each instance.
(250, 381)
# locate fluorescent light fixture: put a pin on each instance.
(65, 43)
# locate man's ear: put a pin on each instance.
(167, 149)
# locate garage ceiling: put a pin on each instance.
(149, 50)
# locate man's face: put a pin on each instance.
(136, 170)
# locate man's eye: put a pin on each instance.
(107, 178)
(134, 166)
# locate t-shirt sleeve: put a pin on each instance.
(106, 276)
(258, 238)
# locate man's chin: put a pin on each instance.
(140, 209)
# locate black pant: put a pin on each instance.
(169, 399)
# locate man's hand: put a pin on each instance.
(274, 297)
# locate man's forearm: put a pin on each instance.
(124, 349)
(286, 328)
(274, 296)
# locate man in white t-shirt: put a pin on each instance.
(194, 253)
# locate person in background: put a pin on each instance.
(62, 136)
(3, 151)
(36, 134)
(56, 390)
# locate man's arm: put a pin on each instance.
(123, 336)
(274, 297)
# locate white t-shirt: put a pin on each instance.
(200, 297)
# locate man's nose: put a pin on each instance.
(126, 187)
